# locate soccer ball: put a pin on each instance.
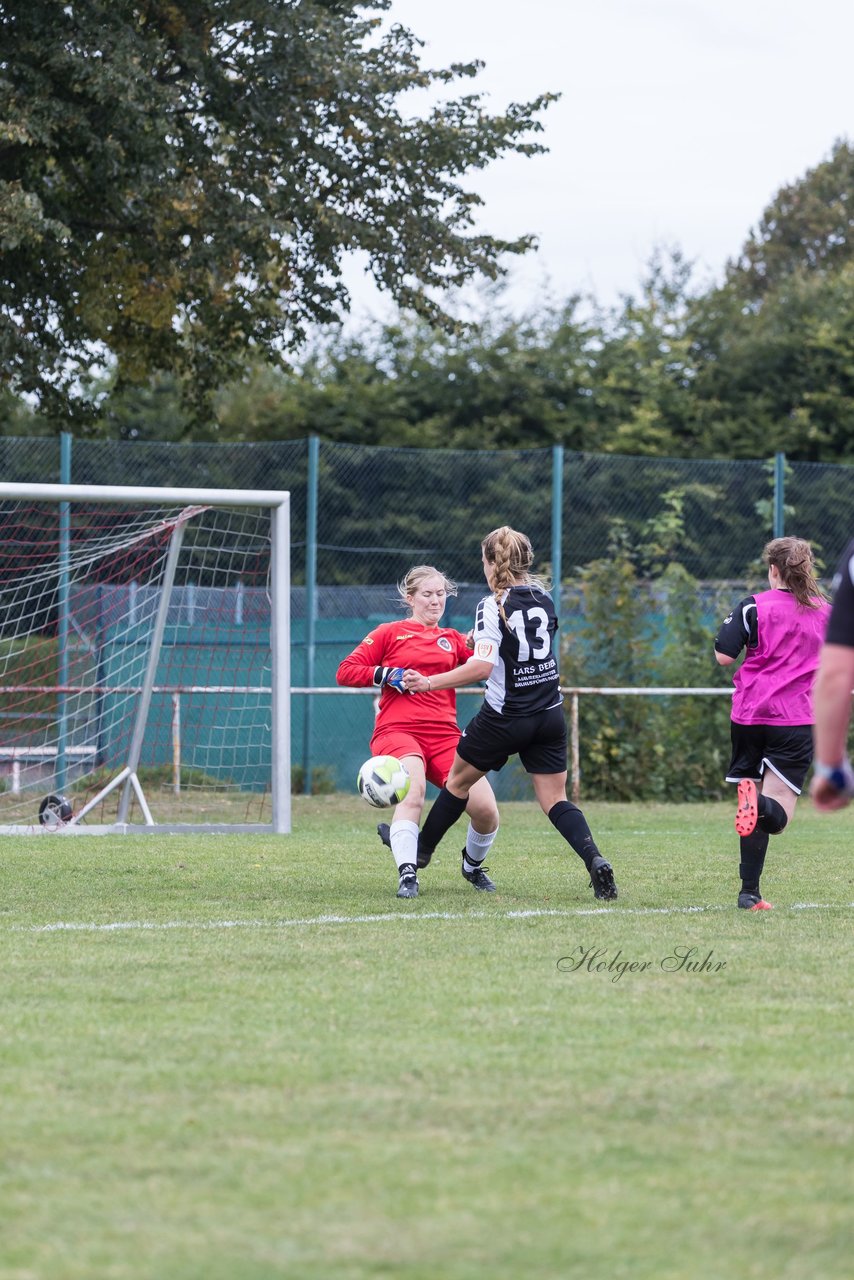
(54, 812)
(383, 781)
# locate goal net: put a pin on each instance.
(144, 659)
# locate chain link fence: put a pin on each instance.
(362, 516)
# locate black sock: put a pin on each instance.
(572, 825)
(753, 849)
(445, 810)
(772, 816)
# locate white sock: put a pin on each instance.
(477, 846)
(404, 841)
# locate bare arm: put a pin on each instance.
(832, 712)
(469, 673)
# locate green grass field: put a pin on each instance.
(240, 1057)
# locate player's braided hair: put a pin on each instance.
(411, 581)
(793, 558)
(510, 556)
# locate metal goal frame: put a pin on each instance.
(278, 503)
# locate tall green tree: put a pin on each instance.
(807, 227)
(772, 347)
(641, 376)
(501, 383)
(180, 181)
(780, 376)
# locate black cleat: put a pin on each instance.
(478, 878)
(408, 887)
(602, 878)
(753, 902)
(424, 856)
(384, 833)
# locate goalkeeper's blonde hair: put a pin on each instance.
(411, 581)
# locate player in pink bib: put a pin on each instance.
(781, 631)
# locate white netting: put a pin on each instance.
(80, 590)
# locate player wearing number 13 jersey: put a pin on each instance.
(524, 679)
(515, 652)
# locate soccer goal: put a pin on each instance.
(144, 659)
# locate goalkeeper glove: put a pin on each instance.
(390, 675)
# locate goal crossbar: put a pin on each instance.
(131, 493)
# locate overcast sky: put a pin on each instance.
(679, 120)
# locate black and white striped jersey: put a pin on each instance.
(524, 678)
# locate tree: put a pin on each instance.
(808, 227)
(180, 180)
(498, 384)
(641, 378)
(634, 628)
(779, 376)
(773, 346)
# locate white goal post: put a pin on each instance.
(144, 659)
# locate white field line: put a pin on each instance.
(152, 926)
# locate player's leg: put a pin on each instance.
(482, 830)
(402, 833)
(570, 822)
(482, 803)
(745, 770)
(767, 806)
(478, 751)
(448, 806)
(438, 758)
(481, 808)
(777, 803)
(768, 803)
(544, 757)
(403, 829)
(752, 850)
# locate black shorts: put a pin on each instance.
(539, 740)
(784, 749)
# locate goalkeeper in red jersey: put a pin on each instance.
(422, 732)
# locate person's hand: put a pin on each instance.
(391, 676)
(832, 788)
(826, 797)
(470, 639)
(414, 682)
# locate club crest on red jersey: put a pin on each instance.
(444, 643)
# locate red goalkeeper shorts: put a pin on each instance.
(436, 750)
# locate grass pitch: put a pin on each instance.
(241, 1057)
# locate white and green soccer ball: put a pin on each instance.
(383, 781)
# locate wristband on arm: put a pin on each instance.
(840, 776)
